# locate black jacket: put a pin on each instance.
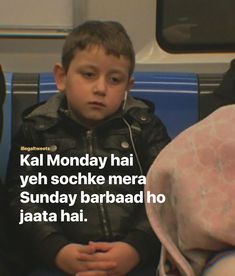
(134, 131)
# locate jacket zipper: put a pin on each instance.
(89, 136)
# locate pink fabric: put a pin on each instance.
(196, 172)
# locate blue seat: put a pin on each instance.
(47, 86)
(175, 96)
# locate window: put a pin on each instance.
(196, 25)
(33, 18)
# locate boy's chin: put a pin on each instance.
(92, 122)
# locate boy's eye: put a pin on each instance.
(88, 75)
(115, 80)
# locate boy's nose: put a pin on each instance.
(100, 86)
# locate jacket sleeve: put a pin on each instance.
(42, 239)
(154, 138)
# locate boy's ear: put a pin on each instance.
(60, 77)
(130, 83)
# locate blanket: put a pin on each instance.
(196, 173)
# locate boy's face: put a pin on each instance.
(95, 84)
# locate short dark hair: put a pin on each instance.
(109, 34)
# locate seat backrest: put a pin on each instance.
(25, 94)
(175, 96)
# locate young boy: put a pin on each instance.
(93, 116)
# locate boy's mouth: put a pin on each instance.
(96, 104)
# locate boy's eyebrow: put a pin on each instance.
(87, 66)
(117, 70)
(94, 67)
